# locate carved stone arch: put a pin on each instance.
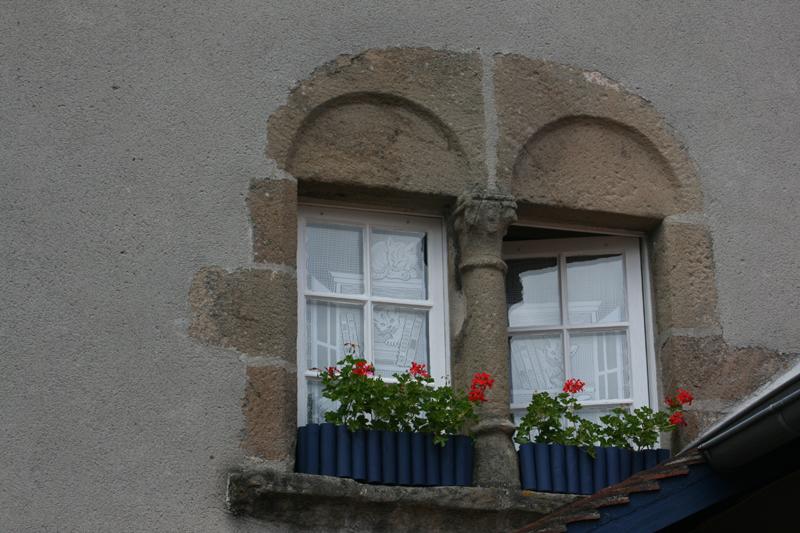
(377, 140)
(578, 131)
(594, 163)
(397, 120)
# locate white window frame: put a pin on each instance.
(435, 304)
(638, 318)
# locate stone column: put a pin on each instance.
(481, 219)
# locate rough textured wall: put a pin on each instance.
(129, 134)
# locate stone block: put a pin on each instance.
(574, 139)
(273, 213)
(683, 277)
(403, 119)
(697, 421)
(253, 311)
(714, 370)
(719, 375)
(270, 411)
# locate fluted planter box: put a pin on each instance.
(572, 470)
(383, 457)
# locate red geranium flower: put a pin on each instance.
(332, 371)
(676, 419)
(573, 386)
(684, 397)
(672, 402)
(418, 369)
(482, 380)
(362, 368)
(476, 395)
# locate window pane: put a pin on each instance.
(603, 362)
(398, 264)
(328, 327)
(532, 292)
(318, 405)
(595, 289)
(537, 364)
(334, 259)
(399, 337)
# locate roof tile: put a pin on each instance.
(588, 508)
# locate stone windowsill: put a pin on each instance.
(308, 502)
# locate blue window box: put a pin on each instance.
(384, 457)
(571, 470)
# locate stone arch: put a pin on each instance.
(376, 139)
(594, 163)
(399, 120)
(625, 158)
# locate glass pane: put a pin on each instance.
(603, 362)
(532, 292)
(595, 289)
(318, 405)
(328, 327)
(399, 337)
(334, 259)
(537, 364)
(397, 264)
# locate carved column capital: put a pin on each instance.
(481, 218)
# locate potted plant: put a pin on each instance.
(561, 452)
(630, 437)
(548, 436)
(404, 432)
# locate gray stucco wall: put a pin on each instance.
(129, 134)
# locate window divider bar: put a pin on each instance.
(608, 326)
(421, 304)
(312, 376)
(366, 350)
(361, 298)
(562, 293)
(584, 403)
(599, 326)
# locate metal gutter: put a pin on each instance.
(760, 397)
(764, 427)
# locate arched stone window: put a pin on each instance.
(414, 131)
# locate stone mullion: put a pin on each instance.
(481, 220)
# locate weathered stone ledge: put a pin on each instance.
(304, 501)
